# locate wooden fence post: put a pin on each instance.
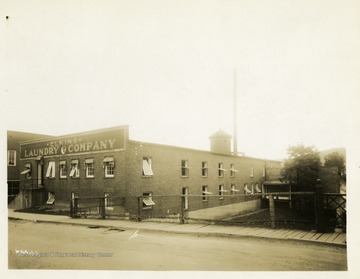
(139, 208)
(71, 208)
(102, 207)
(272, 211)
(74, 207)
(319, 207)
(182, 205)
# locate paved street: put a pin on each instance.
(60, 246)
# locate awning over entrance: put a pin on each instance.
(148, 201)
(275, 183)
(51, 198)
(25, 171)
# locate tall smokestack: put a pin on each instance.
(235, 114)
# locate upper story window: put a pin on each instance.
(89, 168)
(232, 170)
(251, 171)
(11, 158)
(27, 171)
(221, 169)
(62, 169)
(109, 166)
(204, 169)
(75, 171)
(264, 172)
(50, 172)
(184, 168)
(147, 166)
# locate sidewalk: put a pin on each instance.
(198, 229)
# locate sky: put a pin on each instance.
(166, 69)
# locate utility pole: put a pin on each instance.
(235, 115)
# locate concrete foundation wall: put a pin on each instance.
(221, 212)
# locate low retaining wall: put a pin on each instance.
(225, 211)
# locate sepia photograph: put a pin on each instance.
(180, 138)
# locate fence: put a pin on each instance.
(301, 210)
(97, 207)
(13, 187)
(335, 209)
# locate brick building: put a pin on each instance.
(13, 158)
(106, 163)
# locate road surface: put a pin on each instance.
(60, 246)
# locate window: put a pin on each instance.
(205, 192)
(50, 173)
(75, 199)
(184, 168)
(185, 192)
(147, 167)
(89, 168)
(11, 158)
(109, 166)
(204, 169)
(27, 171)
(247, 191)
(232, 170)
(75, 171)
(147, 201)
(233, 190)
(108, 202)
(221, 192)
(264, 173)
(51, 198)
(62, 169)
(251, 171)
(221, 169)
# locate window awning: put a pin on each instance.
(224, 191)
(51, 170)
(257, 189)
(147, 168)
(148, 201)
(275, 182)
(73, 169)
(51, 199)
(108, 160)
(25, 171)
(207, 193)
(222, 169)
(235, 190)
(234, 170)
(247, 190)
(89, 161)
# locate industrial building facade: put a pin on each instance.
(106, 163)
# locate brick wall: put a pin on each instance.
(168, 181)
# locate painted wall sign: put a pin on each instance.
(103, 141)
